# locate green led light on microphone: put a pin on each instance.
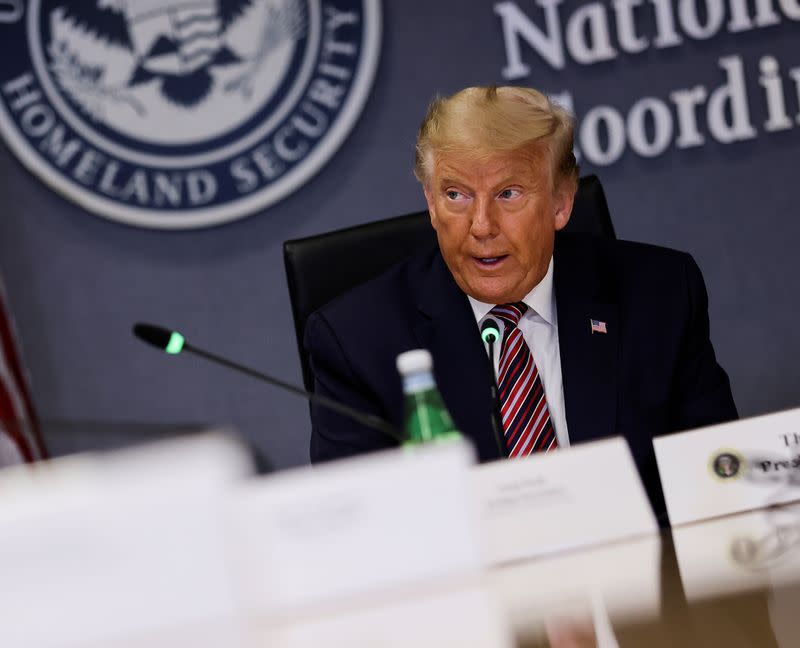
(175, 344)
(490, 330)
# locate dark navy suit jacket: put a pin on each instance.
(653, 372)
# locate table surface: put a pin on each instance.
(732, 581)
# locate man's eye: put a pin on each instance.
(508, 194)
(452, 194)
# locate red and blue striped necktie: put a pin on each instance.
(523, 405)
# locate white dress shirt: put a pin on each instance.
(539, 326)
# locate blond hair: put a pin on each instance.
(480, 121)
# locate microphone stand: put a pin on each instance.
(360, 417)
(494, 413)
(369, 420)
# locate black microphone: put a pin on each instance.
(173, 343)
(490, 333)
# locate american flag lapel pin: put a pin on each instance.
(598, 326)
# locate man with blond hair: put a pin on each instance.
(598, 337)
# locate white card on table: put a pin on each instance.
(312, 538)
(739, 553)
(576, 497)
(466, 617)
(563, 581)
(97, 550)
(732, 467)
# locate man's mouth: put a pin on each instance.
(490, 262)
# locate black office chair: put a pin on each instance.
(322, 267)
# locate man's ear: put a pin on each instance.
(565, 197)
(431, 204)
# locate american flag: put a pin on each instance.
(598, 326)
(19, 435)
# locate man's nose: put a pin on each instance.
(484, 220)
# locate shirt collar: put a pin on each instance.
(540, 300)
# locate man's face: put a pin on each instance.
(496, 221)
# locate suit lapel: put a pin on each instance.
(588, 360)
(446, 326)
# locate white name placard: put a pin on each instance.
(335, 536)
(467, 617)
(566, 582)
(733, 467)
(739, 553)
(99, 550)
(576, 497)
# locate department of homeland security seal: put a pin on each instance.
(182, 113)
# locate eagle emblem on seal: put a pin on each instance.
(173, 46)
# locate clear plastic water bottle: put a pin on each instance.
(426, 417)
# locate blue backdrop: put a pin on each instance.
(688, 113)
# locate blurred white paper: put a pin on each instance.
(624, 576)
(580, 496)
(732, 467)
(738, 553)
(311, 538)
(462, 618)
(105, 548)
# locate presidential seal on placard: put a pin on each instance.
(182, 113)
(727, 464)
